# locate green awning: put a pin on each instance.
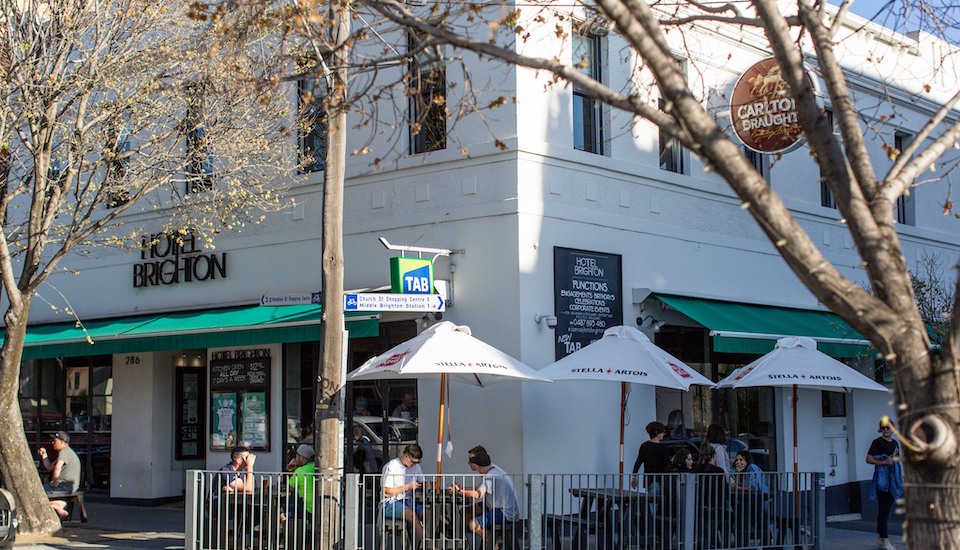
(754, 329)
(209, 328)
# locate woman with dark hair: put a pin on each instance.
(713, 500)
(887, 478)
(682, 461)
(717, 437)
(750, 501)
(653, 455)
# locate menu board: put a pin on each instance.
(189, 411)
(254, 414)
(588, 297)
(242, 372)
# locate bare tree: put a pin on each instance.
(112, 113)
(799, 34)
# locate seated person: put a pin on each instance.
(236, 476)
(497, 493)
(65, 471)
(750, 492)
(401, 477)
(712, 499)
(302, 481)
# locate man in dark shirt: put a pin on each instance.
(653, 455)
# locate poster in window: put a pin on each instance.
(254, 419)
(190, 420)
(587, 297)
(223, 436)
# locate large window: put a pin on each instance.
(671, 152)
(199, 170)
(76, 395)
(587, 112)
(118, 143)
(427, 90)
(903, 210)
(313, 123)
(826, 195)
(300, 362)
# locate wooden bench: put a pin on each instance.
(74, 500)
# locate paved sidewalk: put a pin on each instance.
(126, 527)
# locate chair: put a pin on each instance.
(390, 529)
(74, 500)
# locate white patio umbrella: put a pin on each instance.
(624, 354)
(446, 350)
(796, 362)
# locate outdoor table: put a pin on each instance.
(606, 523)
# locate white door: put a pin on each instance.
(836, 463)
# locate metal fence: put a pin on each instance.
(553, 511)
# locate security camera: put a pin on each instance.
(438, 316)
(551, 321)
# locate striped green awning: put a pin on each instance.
(209, 328)
(754, 329)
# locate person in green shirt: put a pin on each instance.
(302, 479)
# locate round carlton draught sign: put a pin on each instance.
(764, 115)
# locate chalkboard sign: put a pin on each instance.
(242, 372)
(587, 297)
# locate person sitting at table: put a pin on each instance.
(653, 456)
(499, 497)
(401, 477)
(64, 471)
(682, 462)
(236, 476)
(712, 499)
(750, 490)
(302, 481)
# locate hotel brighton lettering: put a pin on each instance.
(170, 260)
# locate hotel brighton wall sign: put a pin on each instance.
(763, 114)
(587, 297)
(168, 260)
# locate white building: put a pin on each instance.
(663, 239)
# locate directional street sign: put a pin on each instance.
(290, 299)
(392, 302)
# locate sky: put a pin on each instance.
(934, 16)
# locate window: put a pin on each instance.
(671, 152)
(903, 209)
(118, 143)
(427, 90)
(759, 161)
(826, 195)
(587, 112)
(313, 123)
(199, 173)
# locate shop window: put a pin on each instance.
(833, 404)
(587, 112)
(300, 363)
(76, 395)
(240, 400)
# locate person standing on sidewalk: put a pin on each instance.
(884, 454)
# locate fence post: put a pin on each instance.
(535, 510)
(688, 488)
(821, 506)
(191, 510)
(351, 511)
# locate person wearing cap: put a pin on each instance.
(887, 484)
(498, 496)
(302, 479)
(65, 471)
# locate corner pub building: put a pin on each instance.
(181, 367)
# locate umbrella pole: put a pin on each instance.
(623, 410)
(796, 469)
(443, 384)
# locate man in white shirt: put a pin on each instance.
(496, 491)
(402, 476)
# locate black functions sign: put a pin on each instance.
(587, 297)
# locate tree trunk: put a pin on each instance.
(18, 470)
(329, 414)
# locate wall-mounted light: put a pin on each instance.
(654, 324)
(549, 320)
